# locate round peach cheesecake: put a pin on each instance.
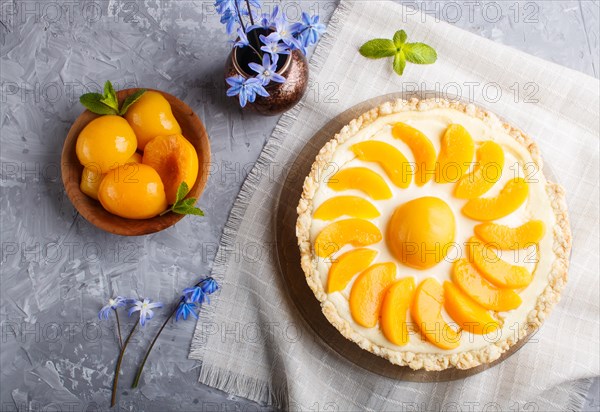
(430, 235)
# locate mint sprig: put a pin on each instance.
(131, 99)
(108, 103)
(417, 53)
(184, 206)
(378, 48)
(93, 102)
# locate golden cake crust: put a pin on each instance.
(435, 361)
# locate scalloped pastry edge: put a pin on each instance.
(550, 296)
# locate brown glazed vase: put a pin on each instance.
(282, 96)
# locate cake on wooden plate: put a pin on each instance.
(430, 235)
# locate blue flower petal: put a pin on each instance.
(261, 91)
(243, 99)
(256, 67)
(233, 91)
(103, 314)
(277, 78)
(209, 285)
(236, 80)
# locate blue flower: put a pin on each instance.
(283, 31)
(243, 39)
(300, 46)
(309, 30)
(267, 72)
(229, 18)
(273, 46)
(224, 5)
(145, 308)
(266, 21)
(113, 304)
(185, 309)
(198, 293)
(209, 285)
(194, 294)
(232, 10)
(245, 89)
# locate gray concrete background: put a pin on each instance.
(57, 269)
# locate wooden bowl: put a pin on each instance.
(193, 130)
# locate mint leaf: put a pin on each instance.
(419, 53)
(109, 91)
(91, 96)
(191, 202)
(400, 38)
(184, 206)
(378, 48)
(399, 62)
(108, 103)
(110, 96)
(182, 190)
(192, 211)
(93, 102)
(131, 99)
(187, 208)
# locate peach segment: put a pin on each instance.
(135, 158)
(466, 312)
(91, 177)
(106, 143)
(511, 238)
(357, 232)
(346, 206)
(456, 154)
(420, 231)
(151, 116)
(394, 309)
(422, 149)
(367, 293)
(175, 159)
(363, 179)
(388, 157)
(486, 172)
(133, 191)
(426, 311)
(348, 265)
(510, 198)
(494, 269)
(467, 278)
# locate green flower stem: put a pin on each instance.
(138, 375)
(250, 12)
(113, 399)
(258, 53)
(119, 330)
(254, 48)
(237, 9)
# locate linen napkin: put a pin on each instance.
(251, 341)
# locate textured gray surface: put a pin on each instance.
(57, 269)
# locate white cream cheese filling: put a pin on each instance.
(518, 162)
